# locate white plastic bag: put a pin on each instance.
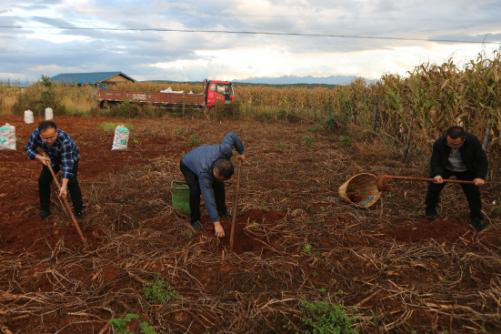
(7, 137)
(121, 138)
(28, 117)
(49, 114)
(169, 90)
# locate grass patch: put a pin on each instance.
(110, 126)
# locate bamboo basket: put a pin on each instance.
(360, 190)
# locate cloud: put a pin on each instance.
(51, 21)
(45, 49)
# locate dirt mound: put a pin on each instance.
(244, 240)
(405, 230)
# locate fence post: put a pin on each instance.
(184, 98)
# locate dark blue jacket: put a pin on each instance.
(201, 160)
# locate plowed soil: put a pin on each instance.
(295, 240)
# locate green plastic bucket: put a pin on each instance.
(180, 196)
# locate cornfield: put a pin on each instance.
(406, 112)
(416, 109)
(8, 97)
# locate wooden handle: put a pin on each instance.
(427, 179)
(235, 204)
(66, 206)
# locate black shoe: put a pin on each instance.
(197, 226)
(477, 224)
(44, 213)
(78, 214)
(431, 217)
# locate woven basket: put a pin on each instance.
(360, 190)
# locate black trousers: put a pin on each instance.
(45, 181)
(470, 190)
(195, 192)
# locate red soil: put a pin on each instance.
(21, 228)
(405, 230)
(244, 241)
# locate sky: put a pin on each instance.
(42, 47)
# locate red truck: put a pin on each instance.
(215, 91)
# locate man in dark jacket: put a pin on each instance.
(460, 154)
(63, 154)
(205, 169)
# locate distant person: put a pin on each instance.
(205, 169)
(458, 153)
(63, 154)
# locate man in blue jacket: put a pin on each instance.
(63, 154)
(458, 153)
(205, 169)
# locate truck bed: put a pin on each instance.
(152, 97)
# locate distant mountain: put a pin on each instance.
(296, 80)
(285, 80)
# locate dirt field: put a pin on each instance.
(295, 239)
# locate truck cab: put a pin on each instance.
(218, 91)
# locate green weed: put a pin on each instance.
(308, 249)
(119, 325)
(146, 328)
(194, 140)
(320, 317)
(345, 140)
(159, 292)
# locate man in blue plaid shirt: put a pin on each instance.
(63, 154)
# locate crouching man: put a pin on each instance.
(205, 169)
(458, 153)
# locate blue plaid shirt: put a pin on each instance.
(64, 152)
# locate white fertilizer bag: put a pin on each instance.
(121, 138)
(28, 117)
(49, 114)
(7, 137)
